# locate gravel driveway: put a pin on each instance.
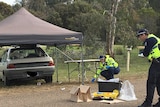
(57, 95)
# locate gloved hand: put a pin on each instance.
(107, 67)
(93, 79)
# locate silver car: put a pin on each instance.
(26, 62)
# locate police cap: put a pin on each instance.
(101, 57)
(142, 31)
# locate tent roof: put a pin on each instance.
(24, 28)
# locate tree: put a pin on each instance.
(51, 3)
(155, 4)
(149, 18)
(104, 23)
(23, 3)
(112, 27)
(127, 18)
(54, 18)
(5, 10)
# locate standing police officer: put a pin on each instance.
(152, 52)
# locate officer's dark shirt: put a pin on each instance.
(149, 43)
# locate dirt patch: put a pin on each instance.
(57, 95)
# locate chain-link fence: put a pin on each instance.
(72, 71)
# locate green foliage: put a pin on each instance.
(119, 51)
(149, 17)
(16, 7)
(51, 3)
(138, 4)
(5, 10)
(37, 5)
(54, 18)
(92, 18)
(155, 4)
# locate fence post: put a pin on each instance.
(128, 56)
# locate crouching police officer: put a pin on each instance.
(152, 52)
(107, 68)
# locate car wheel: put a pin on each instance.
(48, 79)
(6, 82)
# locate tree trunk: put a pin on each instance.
(112, 28)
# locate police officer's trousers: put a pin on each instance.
(109, 74)
(153, 82)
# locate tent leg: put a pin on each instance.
(56, 63)
(82, 64)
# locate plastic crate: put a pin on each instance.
(108, 86)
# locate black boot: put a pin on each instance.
(145, 104)
(157, 104)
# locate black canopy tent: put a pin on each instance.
(22, 27)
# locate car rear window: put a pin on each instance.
(19, 53)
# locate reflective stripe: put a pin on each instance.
(155, 52)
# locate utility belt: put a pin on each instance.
(156, 60)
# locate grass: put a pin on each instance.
(138, 67)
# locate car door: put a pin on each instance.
(3, 63)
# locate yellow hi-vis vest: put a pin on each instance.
(155, 52)
(109, 61)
